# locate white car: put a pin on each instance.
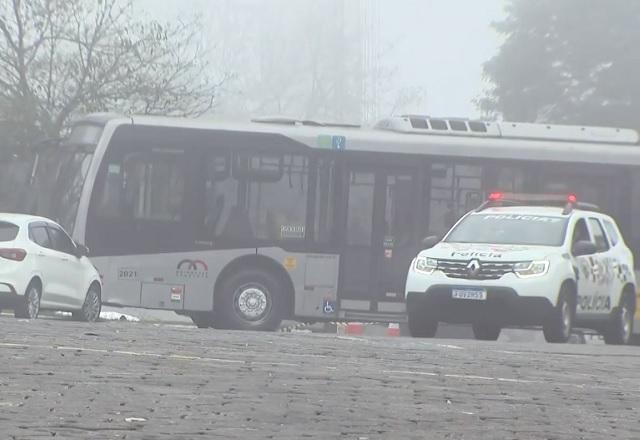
(521, 261)
(42, 268)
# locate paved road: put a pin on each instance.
(143, 381)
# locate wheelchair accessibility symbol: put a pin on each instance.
(329, 307)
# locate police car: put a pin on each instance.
(526, 261)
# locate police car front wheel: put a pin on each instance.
(558, 326)
(422, 325)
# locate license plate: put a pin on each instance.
(472, 294)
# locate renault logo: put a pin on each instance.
(473, 268)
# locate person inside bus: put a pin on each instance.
(238, 225)
(214, 215)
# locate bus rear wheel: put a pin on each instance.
(250, 300)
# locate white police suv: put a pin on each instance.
(525, 261)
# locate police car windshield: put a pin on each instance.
(535, 230)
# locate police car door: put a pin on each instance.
(583, 267)
(603, 268)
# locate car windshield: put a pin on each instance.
(535, 230)
(8, 231)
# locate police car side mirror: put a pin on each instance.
(430, 241)
(584, 247)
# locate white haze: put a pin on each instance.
(432, 51)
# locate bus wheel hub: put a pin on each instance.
(252, 302)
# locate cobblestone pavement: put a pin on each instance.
(121, 380)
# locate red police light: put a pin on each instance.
(496, 196)
(572, 198)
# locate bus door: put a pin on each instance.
(379, 242)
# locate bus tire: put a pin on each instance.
(202, 319)
(251, 299)
(559, 324)
(619, 328)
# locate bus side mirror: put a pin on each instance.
(430, 241)
(584, 247)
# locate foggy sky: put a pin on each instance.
(439, 45)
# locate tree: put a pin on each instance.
(570, 61)
(63, 57)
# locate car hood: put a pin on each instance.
(487, 252)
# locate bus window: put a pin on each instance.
(262, 196)
(360, 208)
(154, 188)
(277, 208)
(399, 209)
(632, 232)
(510, 179)
(221, 193)
(454, 190)
(325, 201)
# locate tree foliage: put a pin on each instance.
(62, 57)
(569, 61)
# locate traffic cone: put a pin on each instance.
(355, 328)
(393, 330)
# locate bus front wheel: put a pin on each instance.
(201, 319)
(250, 300)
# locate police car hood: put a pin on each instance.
(487, 252)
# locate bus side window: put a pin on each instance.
(220, 195)
(154, 185)
(276, 197)
(255, 196)
(109, 201)
(325, 202)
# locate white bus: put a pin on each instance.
(241, 226)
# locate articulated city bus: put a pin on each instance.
(243, 225)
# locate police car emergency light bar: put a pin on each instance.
(569, 201)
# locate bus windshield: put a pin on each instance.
(60, 173)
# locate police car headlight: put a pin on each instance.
(528, 269)
(425, 265)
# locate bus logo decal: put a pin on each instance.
(192, 269)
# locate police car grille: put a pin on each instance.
(488, 270)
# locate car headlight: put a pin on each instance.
(528, 269)
(425, 265)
